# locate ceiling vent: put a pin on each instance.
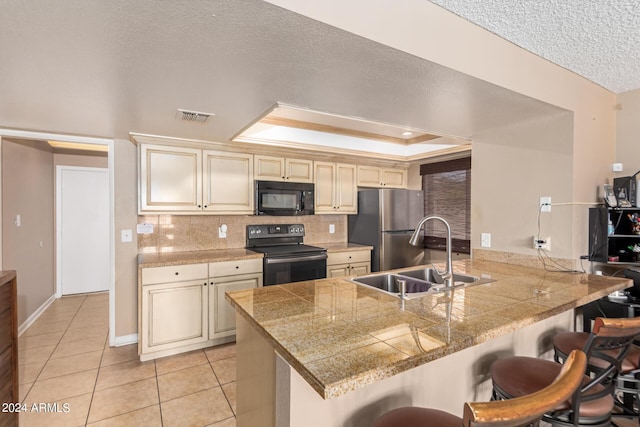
(193, 116)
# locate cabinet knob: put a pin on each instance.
(205, 283)
(237, 267)
(199, 206)
(205, 206)
(177, 273)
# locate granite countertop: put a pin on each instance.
(215, 255)
(194, 257)
(343, 247)
(341, 336)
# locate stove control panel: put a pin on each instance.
(275, 230)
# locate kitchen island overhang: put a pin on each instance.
(341, 337)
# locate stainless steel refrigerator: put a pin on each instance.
(386, 219)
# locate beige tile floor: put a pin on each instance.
(65, 358)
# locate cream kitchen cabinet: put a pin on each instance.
(348, 263)
(269, 168)
(170, 179)
(182, 307)
(336, 188)
(228, 182)
(372, 176)
(174, 309)
(189, 180)
(229, 276)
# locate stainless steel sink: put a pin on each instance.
(418, 282)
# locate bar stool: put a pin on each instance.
(627, 386)
(592, 404)
(505, 413)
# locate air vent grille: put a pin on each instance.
(193, 116)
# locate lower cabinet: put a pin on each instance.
(182, 308)
(222, 317)
(348, 263)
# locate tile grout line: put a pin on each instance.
(53, 351)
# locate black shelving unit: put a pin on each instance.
(604, 246)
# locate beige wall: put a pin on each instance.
(126, 268)
(428, 31)
(27, 190)
(628, 132)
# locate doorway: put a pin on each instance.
(82, 230)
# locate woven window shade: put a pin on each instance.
(447, 187)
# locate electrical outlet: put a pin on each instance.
(616, 167)
(542, 243)
(126, 236)
(332, 228)
(485, 240)
(545, 204)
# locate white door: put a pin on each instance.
(82, 199)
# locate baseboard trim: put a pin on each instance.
(25, 325)
(125, 340)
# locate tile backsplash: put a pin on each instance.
(179, 233)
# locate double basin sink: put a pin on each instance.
(418, 282)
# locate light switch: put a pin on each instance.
(126, 236)
(18, 220)
(222, 231)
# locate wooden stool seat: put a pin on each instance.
(417, 417)
(520, 376)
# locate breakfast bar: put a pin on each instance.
(332, 352)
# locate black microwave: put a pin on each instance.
(284, 198)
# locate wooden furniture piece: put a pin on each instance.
(608, 343)
(8, 346)
(504, 413)
(271, 168)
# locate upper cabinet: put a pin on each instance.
(188, 180)
(170, 179)
(372, 176)
(269, 168)
(336, 188)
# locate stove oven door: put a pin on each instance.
(294, 268)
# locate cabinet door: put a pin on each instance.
(325, 188)
(369, 176)
(170, 179)
(222, 321)
(346, 189)
(361, 268)
(174, 314)
(228, 185)
(339, 270)
(298, 170)
(394, 178)
(269, 168)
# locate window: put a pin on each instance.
(447, 187)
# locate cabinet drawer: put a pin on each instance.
(347, 257)
(174, 273)
(229, 268)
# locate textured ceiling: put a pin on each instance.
(597, 39)
(108, 68)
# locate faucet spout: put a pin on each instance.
(415, 237)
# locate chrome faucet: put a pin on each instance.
(414, 240)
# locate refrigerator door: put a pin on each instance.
(396, 252)
(400, 209)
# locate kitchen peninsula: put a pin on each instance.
(333, 353)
